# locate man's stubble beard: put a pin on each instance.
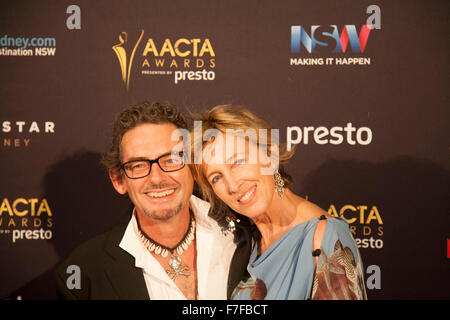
(163, 215)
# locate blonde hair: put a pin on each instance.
(223, 118)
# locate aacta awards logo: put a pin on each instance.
(181, 59)
(26, 219)
(365, 222)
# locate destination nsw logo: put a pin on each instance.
(182, 59)
(27, 46)
(317, 40)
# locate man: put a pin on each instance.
(168, 247)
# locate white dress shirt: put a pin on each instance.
(214, 253)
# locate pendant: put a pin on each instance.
(231, 219)
(177, 268)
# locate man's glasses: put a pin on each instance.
(168, 162)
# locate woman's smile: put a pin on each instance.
(247, 196)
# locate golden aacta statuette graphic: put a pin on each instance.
(122, 56)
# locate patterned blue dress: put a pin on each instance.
(286, 269)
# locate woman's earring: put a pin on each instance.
(231, 219)
(279, 184)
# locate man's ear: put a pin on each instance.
(117, 180)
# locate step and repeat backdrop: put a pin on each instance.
(359, 88)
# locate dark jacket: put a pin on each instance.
(108, 272)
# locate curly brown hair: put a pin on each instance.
(144, 112)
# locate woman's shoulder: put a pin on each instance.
(308, 211)
(312, 215)
(327, 228)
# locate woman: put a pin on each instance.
(302, 252)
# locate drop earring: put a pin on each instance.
(279, 184)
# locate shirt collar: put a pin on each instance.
(200, 208)
(132, 244)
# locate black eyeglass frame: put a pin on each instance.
(151, 162)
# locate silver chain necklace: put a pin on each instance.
(175, 263)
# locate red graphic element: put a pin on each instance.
(448, 248)
(363, 37)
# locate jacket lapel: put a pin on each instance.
(239, 262)
(126, 279)
(128, 282)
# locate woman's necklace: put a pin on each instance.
(175, 260)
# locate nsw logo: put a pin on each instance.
(348, 35)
